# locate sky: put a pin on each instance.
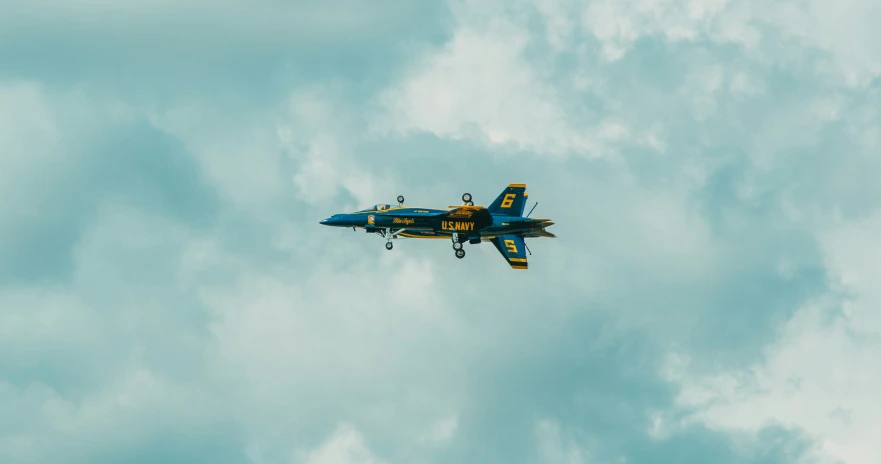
(167, 294)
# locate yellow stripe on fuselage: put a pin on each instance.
(423, 236)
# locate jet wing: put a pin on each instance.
(513, 249)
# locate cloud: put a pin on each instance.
(104, 365)
(317, 345)
(167, 293)
(345, 446)
(843, 42)
(844, 33)
(817, 375)
(323, 136)
(442, 431)
(66, 153)
(557, 448)
(809, 375)
(618, 25)
(447, 93)
(481, 86)
(496, 83)
(155, 308)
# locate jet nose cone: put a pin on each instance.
(324, 221)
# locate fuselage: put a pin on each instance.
(468, 223)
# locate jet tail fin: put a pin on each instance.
(511, 202)
(513, 249)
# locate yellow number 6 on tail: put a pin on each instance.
(508, 201)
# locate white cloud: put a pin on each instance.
(846, 32)
(322, 136)
(442, 431)
(42, 132)
(478, 85)
(345, 446)
(853, 256)
(701, 87)
(245, 164)
(342, 333)
(143, 287)
(334, 342)
(558, 446)
(559, 23)
(647, 230)
(307, 144)
(821, 374)
(287, 346)
(129, 407)
(481, 86)
(315, 329)
(26, 122)
(79, 378)
(494, 83)
(618, 24)
(85, 352)
(744, 84)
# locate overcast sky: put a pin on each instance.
(167, 294)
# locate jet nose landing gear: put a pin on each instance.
(388, 245)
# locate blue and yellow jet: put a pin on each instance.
(502, 223)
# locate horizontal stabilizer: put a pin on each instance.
(541, 233)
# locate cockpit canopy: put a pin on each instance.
(377, 208)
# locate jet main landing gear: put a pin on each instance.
(457, 245)
(467, 199)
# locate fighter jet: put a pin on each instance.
(502, 223)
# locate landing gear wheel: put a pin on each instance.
(469, 203)
(460, 253)
(466, 197)
(388, 245)
(457, 245)
(401, 199)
